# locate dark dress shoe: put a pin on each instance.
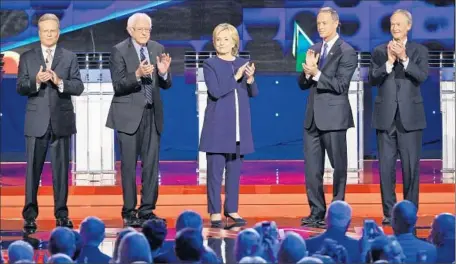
(64, 222)
(312, 221)
(30, 226)
(131, 221)
(149, 216)
(386, 221)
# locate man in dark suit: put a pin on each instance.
(397, 69)
(48, 75)
(328, 113)
(138, 68)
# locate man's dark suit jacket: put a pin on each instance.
(403, 92)
(56, 107)
(129, 101)
(328, 101)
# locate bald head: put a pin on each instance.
(443, 228)
(292, 249)
(404, 217)
(339, 215)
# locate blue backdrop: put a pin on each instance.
(277, 120)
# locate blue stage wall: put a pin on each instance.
(277, 120)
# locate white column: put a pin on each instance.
(448, 110)
(93, 144)
(201, 101)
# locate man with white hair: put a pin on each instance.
(398, 68)
(338, 218)
(139, 67)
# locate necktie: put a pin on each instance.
(146, 81)
(48, 59)
(323, 56)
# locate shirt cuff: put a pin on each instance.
(308, 76)
(38, 85)
(317, 76)
(405, 63)
(60, 86)
(389, 67)
(164, 76)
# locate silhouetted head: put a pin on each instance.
(253, 260)
(155, 232)
(134, 247)
(443, 229)
(339, 215)
(20, 250)
(248, 244)
(404, 217)
(119, 238)
(77, 243)
(189, 219)
(60, 259)
(310, 260)
(189, 245)
(292, 249)
(62, 241)
(92, 231)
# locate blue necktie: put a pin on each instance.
(146, 81)
(323, 56)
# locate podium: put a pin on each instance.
(448, 110)
(93, 144)
(355, 145)
(194, 71)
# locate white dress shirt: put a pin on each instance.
(45, 54)
(236, 104)
(146, 54)
(330, 45)
(389, 66)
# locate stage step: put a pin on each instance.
(244, 189)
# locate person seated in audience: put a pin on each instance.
(19, 250)
(187, 219)
(78, 244)
(292, 249)
(189, 246)
(253, 260)
(324, 259)
(404, 217)
(338, 218)
(309, 260)
(269, 237)
(60, 258)
(133, 248)
(442, 237)
(155, 231)
(331, 249)
(248, 244)
(119, 238)
(209, 256)
(92, 232)
(62, 241)
(385, 248)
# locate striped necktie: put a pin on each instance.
(146, 81)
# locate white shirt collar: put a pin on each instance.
(331, 42)
(44, 48)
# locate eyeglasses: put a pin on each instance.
(144, 30)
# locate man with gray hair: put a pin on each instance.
(48, 75)
(338, 220)
(139, 68)
(398, 68)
